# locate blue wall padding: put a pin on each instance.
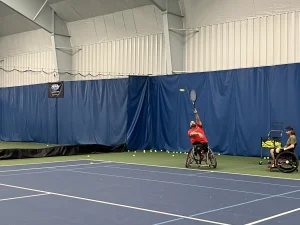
(235, 106)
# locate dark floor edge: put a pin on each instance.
(59, 151)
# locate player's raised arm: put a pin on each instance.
(198, 121)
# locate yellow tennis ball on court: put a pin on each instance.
(173, 155)
(144, 151)
(133, 155)
(268, 157)
(265, 158)
(88, 156)
(155, 151)
(91, 163)
(219, 154)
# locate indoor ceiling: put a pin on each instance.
(69, 10)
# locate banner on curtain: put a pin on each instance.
(56, 90)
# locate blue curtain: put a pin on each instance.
(285, 95)
(139, 114)
(28, 115)
(235, 106)
(93, 112)
(253, 113)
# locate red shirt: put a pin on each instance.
(197, 138)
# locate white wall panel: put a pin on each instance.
(129, 23)
(141, 55)
(208, 12)
(27, 42)
(40, 61)
(254, 42)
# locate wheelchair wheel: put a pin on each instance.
(287, 162)
(189, 158)
(192, 157)
(212, 158)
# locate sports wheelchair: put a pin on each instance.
(286, 161)
(198, 156)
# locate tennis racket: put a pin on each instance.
(193, 97)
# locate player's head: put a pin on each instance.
(289, 130)
(192, 124)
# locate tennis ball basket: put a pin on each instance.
(272, 141)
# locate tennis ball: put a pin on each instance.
(265, 158)
(161, 150)
(150, 150)
(219, 154)
(133, 155)
(155, 151)
(144, 151)
(91, 163)
(88, 156)
(173, 155)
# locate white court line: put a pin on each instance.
(115, 204)
(41, 163)
(211, 171)
(208, 187)
(50, 167)
(169, 182)
(272, 217)
(193, 175)
(21, 197)
(231, 206)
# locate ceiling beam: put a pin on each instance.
(34, 10)
(173, 41)
(40, 13)
(160, 4)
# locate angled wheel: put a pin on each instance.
(213, 159)
(287, 162)
(189, 158)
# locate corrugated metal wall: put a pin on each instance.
(140, 55)
(40, 61)
(254, 42)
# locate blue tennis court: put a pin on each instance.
(98, 192)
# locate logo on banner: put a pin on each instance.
(56, 90)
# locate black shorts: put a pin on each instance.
(289, 150)
(202, 146)
(281, 150)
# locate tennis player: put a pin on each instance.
(196, 133)
(289, 146)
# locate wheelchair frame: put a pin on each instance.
(199, 158)
(286, 162)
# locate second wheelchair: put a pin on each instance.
(286, 162)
